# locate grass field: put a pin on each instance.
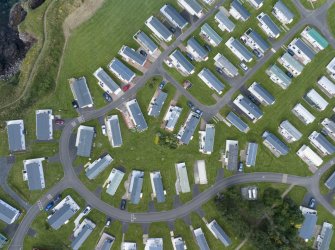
(331, 19)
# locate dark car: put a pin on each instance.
(49, 206)
(162, 84)
(219, 70)
(172, 29)
(209, 49)
(289, 74)
(107, 97)
(190, 56)
(126, 87)
(190, 104)
(58, 198)
(312, 203)
(59, 122)
(75, 104)
(290, 52)
(257, 53)
(123, 204)
(143, 53)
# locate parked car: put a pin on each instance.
(257, 53)
(123, 204)
(187, 84)
(208, 47)
(59, 122)
(312, 203)
(289, 74)
(103, 129)
(190, 104)
(219, 70)
(244, 67)
(290, 52)
(126, 87)
(143, 53)
(240, 167)
(107, 97)
(49, 206)
(190, 56)
(198, 111)
(162, 84)
(87, 210)
(108, 222)
(58, 198)
(75, 104)
(243, 39)
(172, 29)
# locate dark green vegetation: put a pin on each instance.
(270, 222)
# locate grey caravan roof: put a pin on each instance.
(209, 139)
(330, 183)
(137, 189)
(225, 20)
(61, 216)
(159, 189)
(327, 237)
(237, 122)
(293, 62)
(34, 176)
(165, 32)
(211, 33)
(137, 57)
(283, 9)
(141, 124)
(271, 25)
(225, 63)
(276, 143)
(107, 80)
(304, 48)
(107, 245)
(116, 132)
(146, 41)
(274, 69)
(259, 89)
(291, 129)
(158, 104)
(197, 47)
(194, 5)
(85, 142)
(222, 236)
(179, 245)
(189, 129)
(117, 66)
(307, 229)
(325, 143)
(14, 137)
(233, 157)
(242, 49)
(251, 154)
(174, 15)
(202, 242)
(100, 166)
(183, 61)
(251, 107)
(81, 91)
(81, 237)
(240, 9)
(43, 129)
(212, 79)
(7, 214)
(258, 40)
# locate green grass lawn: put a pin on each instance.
(331, 19)
(310, 4)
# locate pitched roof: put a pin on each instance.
(103, 77)
(94, 169)
(189, 128)
(209, 138)
(206, 29)
(257, 38)
(81, 92)
(240, 9)
(283, 9)
(44, 124)
(200, 50)
(157, 104)
(84, 141)
(251, 107)
(211, 79)
(181, 59)
(317, 37)
(330, 183)
(173, 15)
(223, 62)
(61, 216)
(293, 131)
(242, 49)
(16, 137)
(251, 154)
(115, 178)
(113, 125)
(219, 233)
(304, 48)
(307, 229)
(7, 212)
(224, 20)
(137, 115)
(201, 240)
(121, 70)
(35, 174)
(82, 236)
(159, 27)
(133, 55)
(146, 41)
(274, 69)
(136, 187)
(261, 91)
(196, 7)
(237, 122)
(275, 143)
(157, 180)
(293, 62)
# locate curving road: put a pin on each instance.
(71, 180)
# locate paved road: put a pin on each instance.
(71, 180)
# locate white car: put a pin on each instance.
(244, 67)
(103, 129)
(87, 210)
